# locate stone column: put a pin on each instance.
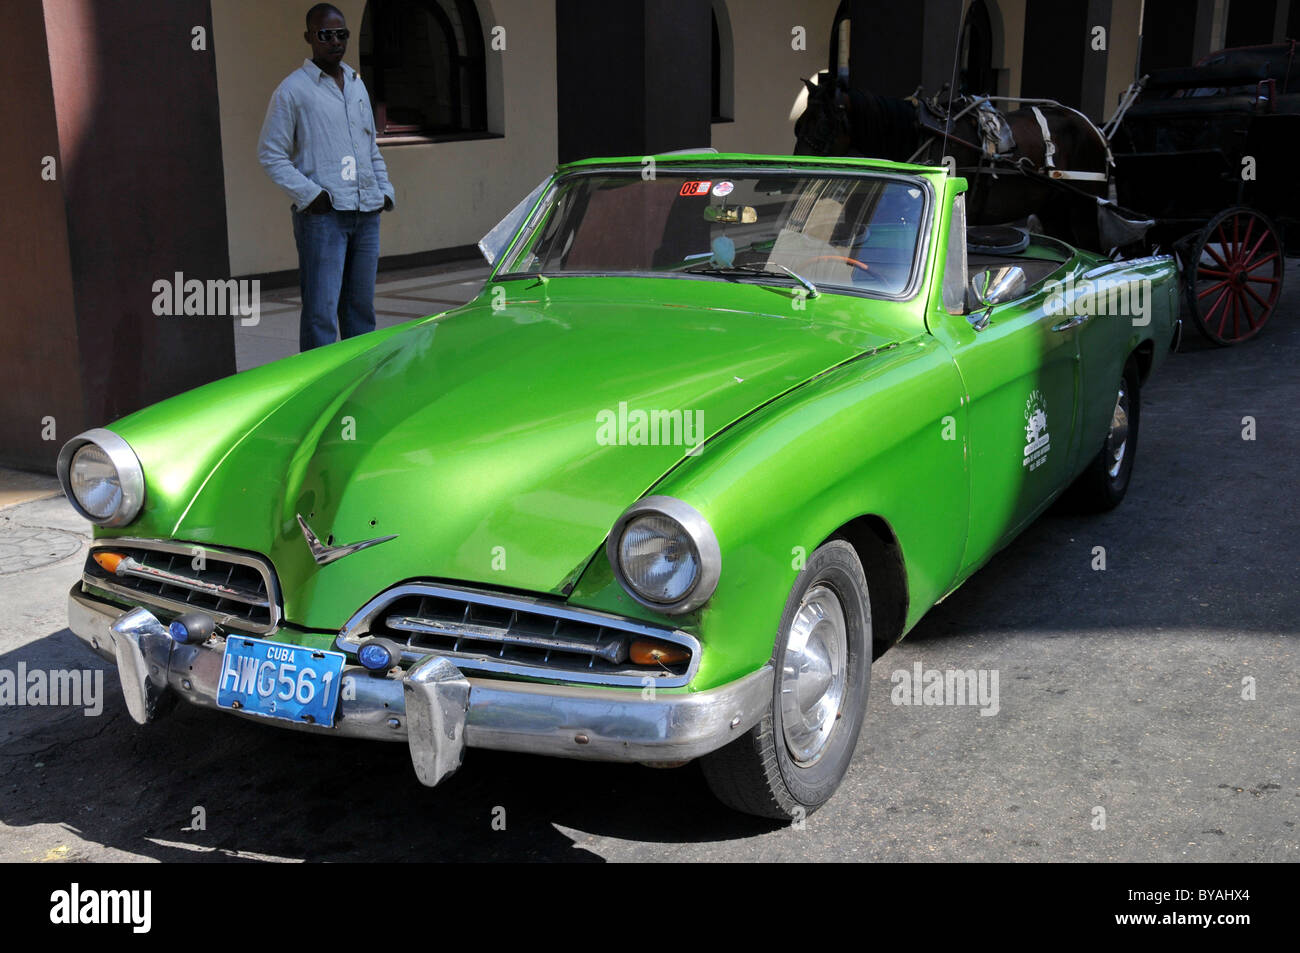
(111, 181)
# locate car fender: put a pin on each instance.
(881, 436)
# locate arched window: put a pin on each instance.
(977, 77)
(423, 62)
(722, 65)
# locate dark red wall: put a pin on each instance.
(117, 92)
(38, 334)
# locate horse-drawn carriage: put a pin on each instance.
(1200, 151)
(1203, 151)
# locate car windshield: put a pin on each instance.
(849, 232)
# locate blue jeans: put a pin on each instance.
(338, 254)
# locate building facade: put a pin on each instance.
(132, 135)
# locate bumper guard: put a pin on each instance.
(434, 707)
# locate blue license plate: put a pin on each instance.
(280, 681)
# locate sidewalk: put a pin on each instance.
(399, 296)
(18, 486)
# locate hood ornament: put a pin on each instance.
(324, 555)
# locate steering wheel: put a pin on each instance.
(852, 261)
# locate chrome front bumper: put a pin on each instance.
(435, 708)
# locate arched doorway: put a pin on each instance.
(976, 77)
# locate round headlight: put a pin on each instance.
(665, 555)
(95, 482)
(658, 558)
(102, 477)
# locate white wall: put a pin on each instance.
(1121, 57)
(767, 70)
(1008, 18)
(451, 193)
(1122, 52)
(448, 193)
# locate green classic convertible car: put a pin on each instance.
(716, 430)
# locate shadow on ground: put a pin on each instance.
(286, 795)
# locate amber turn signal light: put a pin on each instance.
(654, 652)
(108, 561)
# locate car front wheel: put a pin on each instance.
(791, 762)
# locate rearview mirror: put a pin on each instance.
(736, 215)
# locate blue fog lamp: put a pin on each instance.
(192, 628)
(379, 655)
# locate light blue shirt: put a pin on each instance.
(317, 137)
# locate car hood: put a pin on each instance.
(499, 444)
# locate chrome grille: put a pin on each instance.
(518, 635)
(237, 589)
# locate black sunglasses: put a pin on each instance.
(326, 36)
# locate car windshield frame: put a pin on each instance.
(910, 289)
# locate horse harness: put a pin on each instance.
(997, 143)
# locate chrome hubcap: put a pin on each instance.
(814, 675)
(1117, 438)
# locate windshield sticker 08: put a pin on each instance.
(696, 188)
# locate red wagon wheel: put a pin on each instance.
(1234, 275)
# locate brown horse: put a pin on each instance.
(842, 121)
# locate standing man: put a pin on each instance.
(318, 145)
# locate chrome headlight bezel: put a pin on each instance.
(702, 537)
(130, 475)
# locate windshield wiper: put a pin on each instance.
(812, 288)
(712, 269)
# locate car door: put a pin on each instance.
(1020, 369)
(1021, 377)
(1121, 298)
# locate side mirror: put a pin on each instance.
(994, 286)
(991, 287)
